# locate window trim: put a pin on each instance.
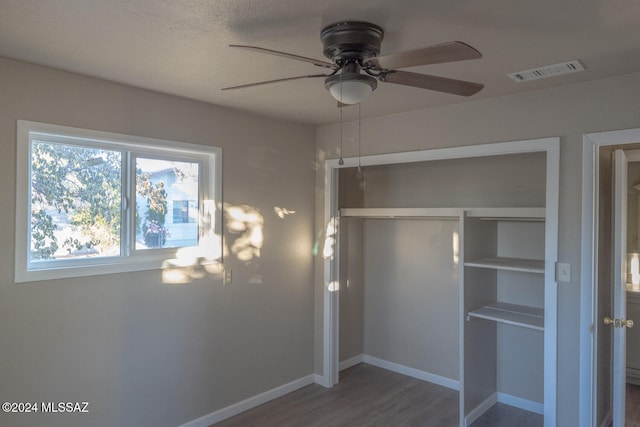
(210, 159)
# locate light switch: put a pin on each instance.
(563, 272)
(227, 279)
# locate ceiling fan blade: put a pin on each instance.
(275, 81)
(437, 54)
(425, 81)
(315, 62)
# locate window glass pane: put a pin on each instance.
(167, 194)
(76, 199)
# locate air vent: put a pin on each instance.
(547, 71)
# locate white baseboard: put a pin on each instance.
(319, 379)
(483, 407)
(252, 402)
(507, 399)
(412, 372)
(518, 402)
(351, 362)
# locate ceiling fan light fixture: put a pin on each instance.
(352, 88)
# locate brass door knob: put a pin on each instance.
(618, 323)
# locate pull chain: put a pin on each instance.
(359, 139)
(361, 175)
(341, 161)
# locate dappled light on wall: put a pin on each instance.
(246, 224)
(197, 262)
(244, 239)
(182, 275)
(282, 212)
(330, 238)
(456, 249)
(328, 252)
(176, 275)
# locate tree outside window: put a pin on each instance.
(76, 199)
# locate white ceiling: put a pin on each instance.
(181, 46)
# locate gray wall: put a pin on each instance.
(351, 322)
(143, 352)
(411, 288)
(520, 355)
(509, 180)
(567, 112)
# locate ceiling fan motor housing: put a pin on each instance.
(351, 41)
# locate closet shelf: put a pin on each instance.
(508, 214)
(512, 264)
(512, 314)
(495, 214)
(447, 213)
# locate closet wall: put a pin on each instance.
(351, 309)
(520, 367)
(495, 181)
(401, 275)
(411, 293)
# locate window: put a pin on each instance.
(93, 202)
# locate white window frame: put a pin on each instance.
(208, 251)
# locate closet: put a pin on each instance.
(446, 268)
(503, 298)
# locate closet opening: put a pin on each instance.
(442, 270)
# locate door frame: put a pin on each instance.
(330, 351)
(591, 144)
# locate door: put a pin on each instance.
(598, 262)
(617, 319)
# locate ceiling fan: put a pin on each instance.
(353, 47)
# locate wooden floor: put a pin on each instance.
(632, 407)
(374, 397)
